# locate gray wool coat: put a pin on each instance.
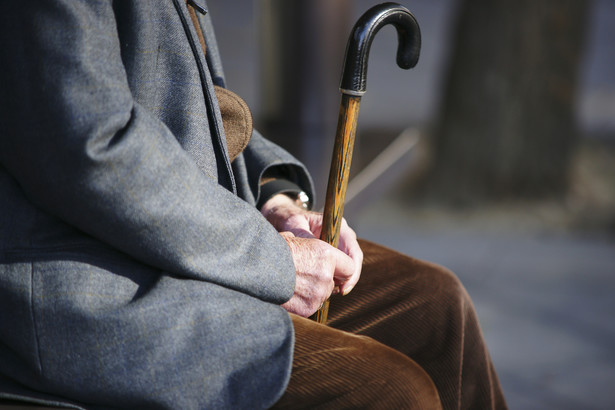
(135, 270)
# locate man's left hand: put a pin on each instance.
(287, 216)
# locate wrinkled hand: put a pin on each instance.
(320, 267)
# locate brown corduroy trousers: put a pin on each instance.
(406, 337)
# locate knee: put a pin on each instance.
(442, 298)
(376, 376)
(443, 286)
(398, 381)
(422, 280)
(426, 285)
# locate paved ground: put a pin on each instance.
(544, 297)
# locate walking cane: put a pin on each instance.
(353, 84)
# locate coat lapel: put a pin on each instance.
(225, 173)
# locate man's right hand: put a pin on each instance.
(319, 267)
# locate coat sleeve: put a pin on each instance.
(261, 155)
(83, 150)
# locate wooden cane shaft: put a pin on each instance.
(340, 169)
(338, 179)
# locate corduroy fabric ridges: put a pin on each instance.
(420, 310)
(337, 370)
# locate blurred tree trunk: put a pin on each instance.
(507, 122)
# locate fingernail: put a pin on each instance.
(347, 291)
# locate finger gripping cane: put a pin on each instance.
(352, 87)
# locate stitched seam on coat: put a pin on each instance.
(32, 253)
(33, 319)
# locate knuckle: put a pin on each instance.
(326, 277)
(328, 252)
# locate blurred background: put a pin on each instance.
(495, 157)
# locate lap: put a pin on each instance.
(422, 310)
(394, 285)
(336, 369)
(372, 333)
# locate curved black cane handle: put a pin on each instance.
(354, 74)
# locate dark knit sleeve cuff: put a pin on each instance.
(282, 186)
